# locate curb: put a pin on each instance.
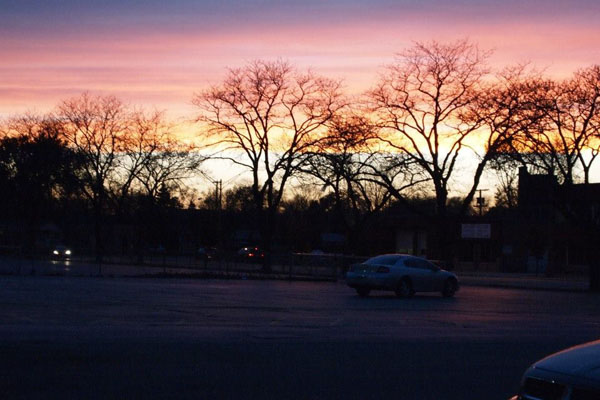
(516, 285)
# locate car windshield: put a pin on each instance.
(385, 260)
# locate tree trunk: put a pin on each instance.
(98, 226)
(267, 238)
(441, 198)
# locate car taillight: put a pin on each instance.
(383, 270)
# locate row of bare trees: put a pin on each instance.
(111, 154)
(437, 117)
(435, 109)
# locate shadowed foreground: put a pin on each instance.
(152, 338)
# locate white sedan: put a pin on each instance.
(402, 273)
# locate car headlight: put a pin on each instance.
(55, 252)
(68, 252)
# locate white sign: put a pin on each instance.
(476, 231)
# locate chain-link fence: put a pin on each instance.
(281, 266)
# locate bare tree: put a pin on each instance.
(563, 139)
(506, 170)
(587, 115)
(504, 112)
(95, 126)
(420, 103)
(263, 117)
(167, 167)
(342, 163)
(151, 166)
(566, 137)
(151, 158)
(576, 117)
(145, 134)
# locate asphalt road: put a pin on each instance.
(97, 338)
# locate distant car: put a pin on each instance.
(251, 254)
(61, 252)
(402, 273)
(206, 253)
(571, 374)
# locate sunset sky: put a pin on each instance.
(158, 53)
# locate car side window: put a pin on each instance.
(426, 265)
(385, 260)
(432, 266)
(419, 263)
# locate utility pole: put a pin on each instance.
(480, 201)
(218, 194)
(219, 208)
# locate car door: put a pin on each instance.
(416, 273)
(424, 274)
(431, 277)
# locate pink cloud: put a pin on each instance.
(166, 67)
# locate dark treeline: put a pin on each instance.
(436, 116)
(92, 161)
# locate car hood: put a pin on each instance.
(582, 360)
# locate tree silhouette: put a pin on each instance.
(504, 112)
(420, 103)
(38, 172)
(566, 137)
(342, 163)
(95, 127)
(268, 115)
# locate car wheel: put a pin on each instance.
(449, 288)
(363, 292)
(404, 288)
